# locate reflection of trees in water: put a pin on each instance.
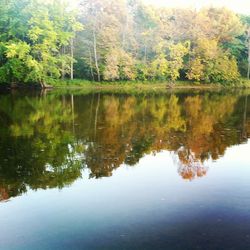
(245, 122)
(37, 148)
(45, 142)
(128, 127)
(205, 137)
(189, 166)
(197, 128)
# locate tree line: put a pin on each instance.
(112, 40)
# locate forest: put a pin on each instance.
(120, 40)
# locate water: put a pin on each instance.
(125, 171)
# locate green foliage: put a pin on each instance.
(121, 40)
(119, 66)
(159, 67)
(30, 51)
(196, 69)
(210, 63)
(176, 54)
(142, 71)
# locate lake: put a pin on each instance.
(167, 170)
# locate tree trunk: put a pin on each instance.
(63, 66)
(91, 65)
(124, 33)
(95, 55)
(248, 67)
(145, 53)
(72, 59)
(42, 85)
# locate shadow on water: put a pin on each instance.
(47, 140)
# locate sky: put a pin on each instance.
(239, 6)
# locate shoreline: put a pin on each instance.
(126, 86)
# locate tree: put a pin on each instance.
(210, 63)
(159, 67)
(246, 38)
(119, 66)
(196, 69)
(121, 40)
(223, 25)
(103, 27)
(176, 54)
(31, 53)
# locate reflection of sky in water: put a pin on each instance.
(145, 205)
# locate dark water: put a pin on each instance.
(118, 171)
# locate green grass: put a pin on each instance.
(79, 86)
(78, 83)
(142, 85)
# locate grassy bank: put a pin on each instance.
(147, 85)
(130, 85)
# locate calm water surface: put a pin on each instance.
(119, 171)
